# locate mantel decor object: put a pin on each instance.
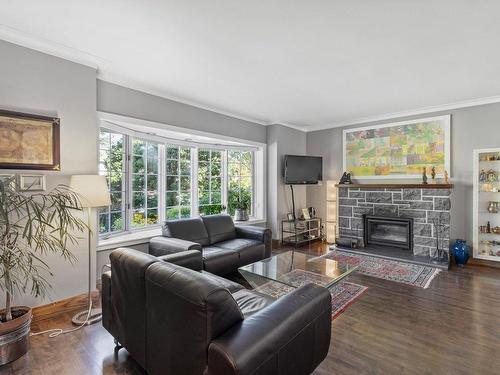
(29, 141)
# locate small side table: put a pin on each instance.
(300, 232)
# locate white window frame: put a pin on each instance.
(258, 178)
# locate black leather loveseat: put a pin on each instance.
(224, 246)
(179, 320)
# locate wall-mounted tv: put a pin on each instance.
(303, 170)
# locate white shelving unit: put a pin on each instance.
(486, 245)
(331, 211)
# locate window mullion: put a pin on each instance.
(128, 187)
(194, 182)
(162, 183)
(224, 179)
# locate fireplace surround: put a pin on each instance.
(426, 205)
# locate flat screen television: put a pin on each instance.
(303, 170)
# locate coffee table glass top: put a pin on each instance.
(294, 269)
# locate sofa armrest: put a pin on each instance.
(256, 233)
(292, 335)
(190, 259)
(107, 310)
(166, 245)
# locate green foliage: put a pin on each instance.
(33, 226)
(211, 209)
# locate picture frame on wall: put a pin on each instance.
(10, 177)
(29, 141)
(32, 182)
(398, 150)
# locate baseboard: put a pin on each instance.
(484, 263)
(66, 305)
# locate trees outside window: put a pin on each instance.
(112, 165)
(240, 181)
(144, 170)
(210, 182)
(178, 182)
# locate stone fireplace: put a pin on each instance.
(421, 212)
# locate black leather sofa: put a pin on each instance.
(224, 246)
(174, 318)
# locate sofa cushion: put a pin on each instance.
(249, 250)
(192, 229)
(219, 228)
(250, 302)
(219, 261)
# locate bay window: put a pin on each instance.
(153, 179)
(210, 200)
(144, 175)
(112, 165)
(240, 184)
(178, 182)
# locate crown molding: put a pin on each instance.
(49, 47)
(415, 112)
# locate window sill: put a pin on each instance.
(128, 239)
(251, 221)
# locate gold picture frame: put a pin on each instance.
(29, 141)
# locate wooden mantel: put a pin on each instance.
(397, 186)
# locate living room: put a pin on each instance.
(249, 188)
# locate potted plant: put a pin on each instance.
(31, 226)
(241, 211)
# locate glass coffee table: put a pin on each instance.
(294, 269)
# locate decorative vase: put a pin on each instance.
(493, 207)
(461, 252)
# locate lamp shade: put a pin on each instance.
(93, 190)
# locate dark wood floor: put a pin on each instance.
(451, 328)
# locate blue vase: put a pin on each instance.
(461, 252)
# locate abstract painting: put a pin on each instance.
(29, 141)
(398, 150)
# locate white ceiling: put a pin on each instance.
(311, 64)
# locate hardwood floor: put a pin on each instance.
(451, 328)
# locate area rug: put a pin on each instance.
(344, 293)
(401, 272)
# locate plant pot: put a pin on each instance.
(240, 215)
(14, 335)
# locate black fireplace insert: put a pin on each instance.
(388, 231)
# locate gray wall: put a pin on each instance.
(128, 102)
(37, 83)
(471, 128)
(282, 140)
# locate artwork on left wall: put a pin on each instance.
(29, 141)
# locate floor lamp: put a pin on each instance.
(93, 191)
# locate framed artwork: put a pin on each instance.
(31, 182)
(9, 177)
(398, 150)
(29, 141)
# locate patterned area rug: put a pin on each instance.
(343, 293)
(401, 272)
